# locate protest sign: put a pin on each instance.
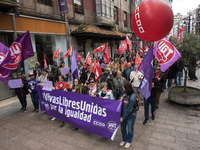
(65, 71)
(47, 85)
(92, 114)
(16, 83)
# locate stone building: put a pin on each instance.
(92, 23)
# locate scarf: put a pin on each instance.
(93, 88)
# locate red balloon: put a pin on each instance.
(152, 20)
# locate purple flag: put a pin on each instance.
(92, 114)
(74, 66)
(21, 49)
(146, 68)
(63, 6)
(165, 53)
(5, 58)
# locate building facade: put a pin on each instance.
(92, 23)
(47, 30)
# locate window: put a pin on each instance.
(105, 8)
(78, 6)
(125, 19)
(45, 2)
(116, 15)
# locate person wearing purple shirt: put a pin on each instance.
(32, 88)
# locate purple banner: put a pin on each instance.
(92, 114)
(166, 54)
(146, 68)
(63, 6)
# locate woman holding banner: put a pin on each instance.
(128, 114)
(105, 93)
(64, 86)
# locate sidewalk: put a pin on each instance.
(176, 127)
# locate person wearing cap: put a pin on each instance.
(43, 76)
(32, 88)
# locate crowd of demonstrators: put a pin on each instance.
(120, 80)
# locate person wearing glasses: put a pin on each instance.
(91, 88)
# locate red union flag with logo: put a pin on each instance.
(88, 59)
(165, 53)
(99, 49)
(106, 54)
(97, 70)
(123, 47)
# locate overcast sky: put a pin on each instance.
(182, 6)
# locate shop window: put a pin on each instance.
(125, 19)
(78, 6)
(45, 2)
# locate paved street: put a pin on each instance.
(175, 127)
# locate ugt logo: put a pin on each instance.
(165, 51)
(15, 52)
(2, 57)
(112, 126)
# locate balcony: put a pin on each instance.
(6, 5)
(100, 20)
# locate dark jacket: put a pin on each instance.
(172, 71)
(54, 70)
(154, 90)
(160, 83)
(126, 75)
(24, 90)
(84, 78)
(129, 107)
(109, 79)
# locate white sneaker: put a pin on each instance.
(122, 143)
(53, 119)
(127, 145)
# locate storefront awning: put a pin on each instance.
(89, 31)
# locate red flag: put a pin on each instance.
(99, 49)
(123, 47)
(88, 59)
(146, 49)
(68, 53)
(128, 43)
(56, 53)
(97, 70)
(106, 54)
(79, 56)
(180, 34)
(138, 60)
(45, 63)
(141, 52)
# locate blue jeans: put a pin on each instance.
(169, 84)
(178, 75)
(34, 98)
(151, 100)
(127, 137)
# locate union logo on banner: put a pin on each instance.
(2, 57)
(15, 52)
(165, 51)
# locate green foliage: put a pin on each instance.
(189, 49)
